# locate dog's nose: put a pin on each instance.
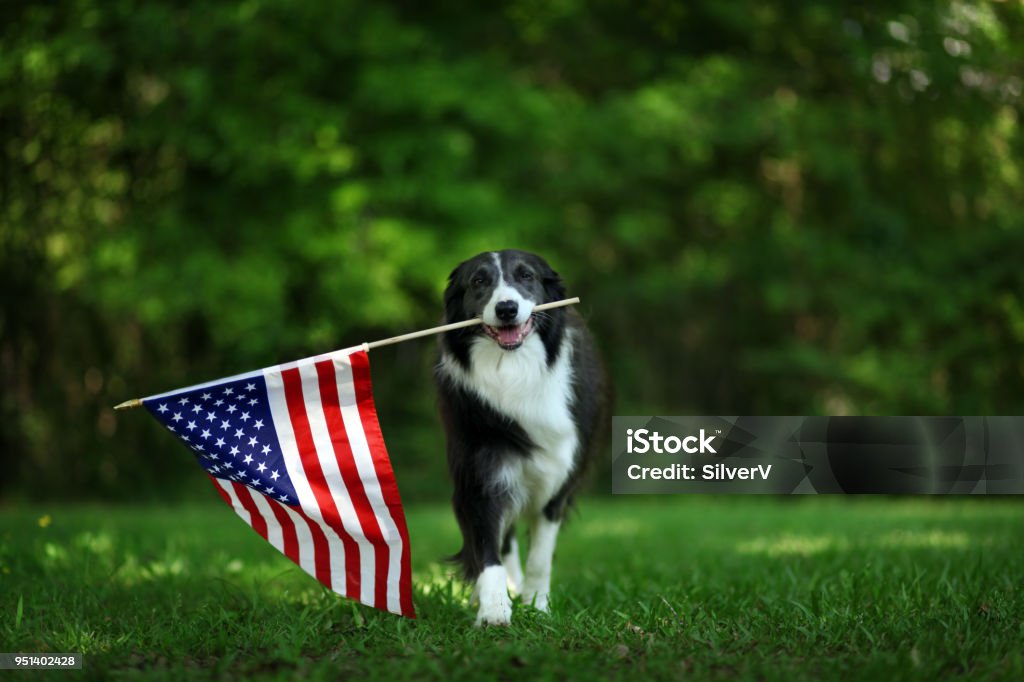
(506, 311)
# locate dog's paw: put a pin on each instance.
(495, 604)
(498, 612)
(537, 599)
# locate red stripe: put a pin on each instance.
(389, 487)
(290, 545)
(256, 520)
(317, 481)
(223, 495)
(353, 483)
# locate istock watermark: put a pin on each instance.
(641, 441)
(848, 455)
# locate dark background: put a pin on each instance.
(767, 207)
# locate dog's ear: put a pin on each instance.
(453, 311)
(554, 289)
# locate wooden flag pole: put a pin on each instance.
(457, 325)
(137, 402)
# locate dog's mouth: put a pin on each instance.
(511, 336)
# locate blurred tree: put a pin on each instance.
(768, 207)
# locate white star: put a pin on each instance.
(228, 391)
(250, 387)
(171, 429)
(262, 467)
(205, 434)
(225, 424)
(218, 403)
(177, 416)
(248, 458)
(183, 401)
(283, 498)
(210, 416)
(274, 475)
(232, 409)
(197, 409)
(162, 408)
(185, 438)
(252, 442)
(219, 443)
(215, 468)
(228, 465)
(238, 433)
(234, 450)
(191, 426)
(269, 489)
(244, 417)
(253, 401)
(199, 448)
(266, 449)
(214, 455)
(258, 424)
(205, 396)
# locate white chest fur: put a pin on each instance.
(521, 385)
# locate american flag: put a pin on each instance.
(297, 452)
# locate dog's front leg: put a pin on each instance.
(492, 586)
(479, 513)
(537, 587)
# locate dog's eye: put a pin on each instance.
(478, 281)
(526, 275)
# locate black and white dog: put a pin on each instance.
(521, 397)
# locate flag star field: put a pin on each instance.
(231, 432)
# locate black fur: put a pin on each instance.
(479, 437)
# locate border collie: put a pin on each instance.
(521, 399)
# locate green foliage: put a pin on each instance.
(704, 588)
(768, 207)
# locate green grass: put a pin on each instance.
(698, 587)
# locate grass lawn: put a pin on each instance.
(672, 587)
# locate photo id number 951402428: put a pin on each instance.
(40, 661)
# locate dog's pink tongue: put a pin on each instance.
(509, 335)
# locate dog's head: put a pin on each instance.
(503, 287)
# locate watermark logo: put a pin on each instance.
(805, 455)
(642, 441)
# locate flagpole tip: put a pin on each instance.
(129, 404)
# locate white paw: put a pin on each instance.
(496, 611)
(495, 604)
(538, 599)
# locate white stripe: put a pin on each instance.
(503, 291)
(307, 550)
(236, 504)
(293, 463)
(368, 475)
(332, 473)
(275, 535)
